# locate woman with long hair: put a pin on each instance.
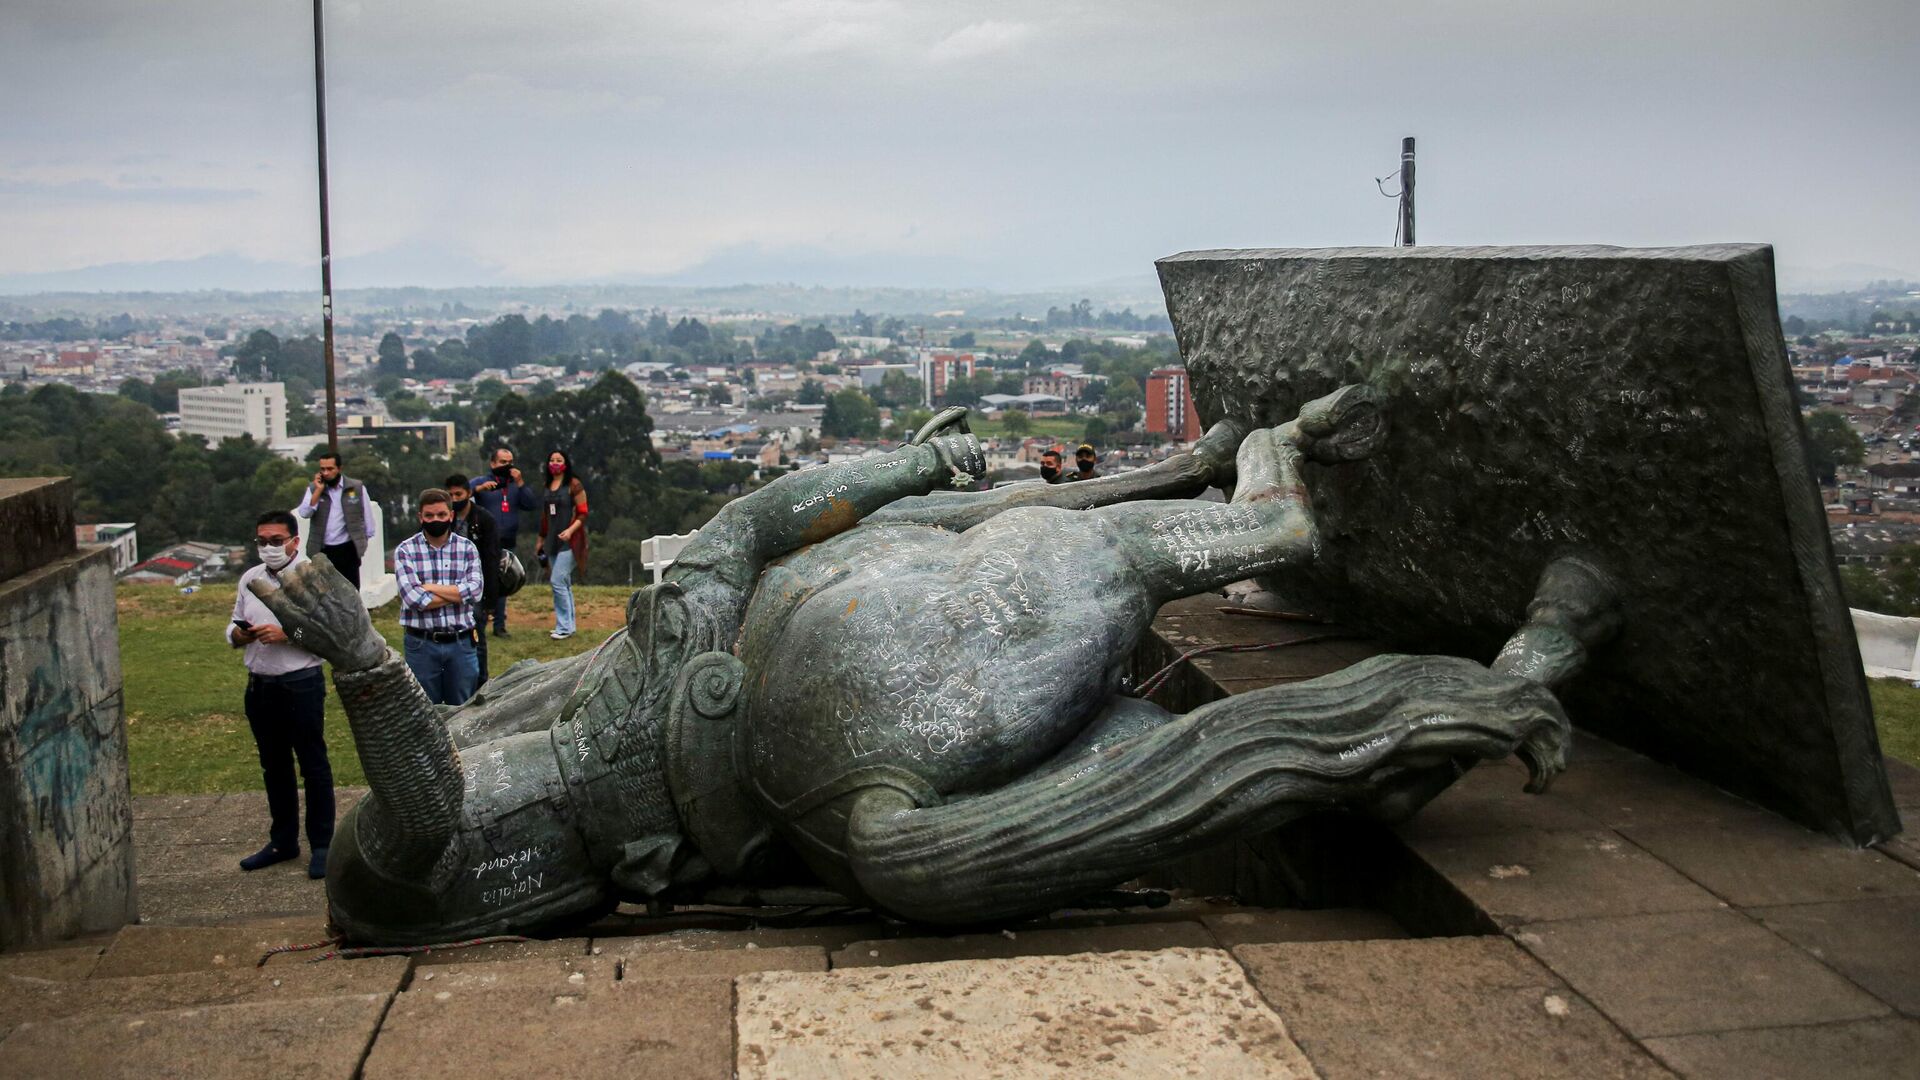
(563, 537)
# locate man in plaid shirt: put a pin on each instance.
(440, 586)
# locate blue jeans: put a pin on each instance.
(561, 577)
(448, 671)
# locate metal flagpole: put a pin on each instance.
(1406, 188)
(326, 243)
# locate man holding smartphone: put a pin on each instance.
(341, 511)
(286, 708)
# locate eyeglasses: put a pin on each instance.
(270, 541)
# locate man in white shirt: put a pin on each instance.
(286, 707)
(340, 508)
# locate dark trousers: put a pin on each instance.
(500, 613)
(480, 652)
(286, 714)
(346, 559)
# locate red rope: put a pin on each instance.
(409, 950)
(278, 949)
(377, 950)
(1153, 683)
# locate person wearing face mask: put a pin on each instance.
(286, 702)
(1050, 466)
(440, 591)
(504, 495)
(345, 511)
(1085, 464)
(563, 538)
(477, 525)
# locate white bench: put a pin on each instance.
(658, 552)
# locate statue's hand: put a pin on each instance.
(322, 613)
(962, 455)
(948, 421)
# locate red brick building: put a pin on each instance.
(1170, 410)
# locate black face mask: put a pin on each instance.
(436, 529)
(1048, 473)
(503, 473)
(459, 505)
(1086, 465)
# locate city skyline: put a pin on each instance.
(987, 144)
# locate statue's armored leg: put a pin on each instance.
(1240, 765)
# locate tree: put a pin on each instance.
(850, 414)
(1035, 355)
(811, 393)
(1016, 423)
(393, 354)
(961, 341)
(1831, 443)
(718, 394)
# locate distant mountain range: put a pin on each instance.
(797, 282)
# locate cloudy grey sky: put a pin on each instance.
(963, 142)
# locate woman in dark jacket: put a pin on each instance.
(563, 537)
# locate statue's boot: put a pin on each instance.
(1233, 767)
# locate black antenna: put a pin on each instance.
(326, 242)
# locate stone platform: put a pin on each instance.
(1631, 922)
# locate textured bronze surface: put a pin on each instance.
(1633, 407)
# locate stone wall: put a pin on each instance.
(66, 824)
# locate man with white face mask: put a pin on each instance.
(286, 706)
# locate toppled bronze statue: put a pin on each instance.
(912, 698)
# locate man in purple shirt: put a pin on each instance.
(440, 588)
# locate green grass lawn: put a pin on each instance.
(187, 732)
(1896, 709)
(1063, 428)
(186, 729)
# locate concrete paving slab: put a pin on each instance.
(219, 825)
(206, 895)
(43, 999)
(1774, 862)
(1860, 1050)
(1876, 943)
(826, 937)
(1491, 799)
(1328, 924)
(158, 807)
(503, 950)
(1524, 877)
(163, 950)
(1011, 943)
(57, 963)
(1905, 778)
(1437, 1007)
(681, 1028)
(1639, 791)
(722, 962)
(1177, 1012)
(1905, 848)
(300, 1038)
(555, 973)
(1683, 973)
